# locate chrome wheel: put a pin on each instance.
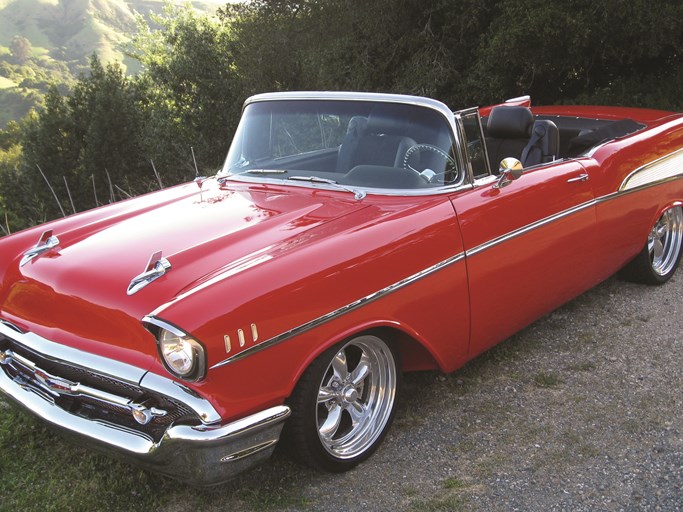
(356, 397)
(657, 262)
(664, 241)
(344, 404)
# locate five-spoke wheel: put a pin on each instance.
(658, 260)
(344, 403)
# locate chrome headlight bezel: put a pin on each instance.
(175, 345)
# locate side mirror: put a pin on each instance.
(510, 169)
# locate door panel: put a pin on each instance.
(530, 246)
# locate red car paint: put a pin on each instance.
(276, 256)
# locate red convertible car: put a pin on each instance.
(347, 239)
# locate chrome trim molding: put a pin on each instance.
(249, 451)
(655, 173)
(419, 101)
(341, 311)
(530, 227)
(594, 149)
(662, 169)
(158, 322)
(609, 197)
(394, 192)
(526, 97)
(11, 326)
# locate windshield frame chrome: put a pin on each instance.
(419, 101)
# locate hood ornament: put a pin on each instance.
(45, 243)
(156, 268)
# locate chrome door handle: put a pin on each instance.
(580, 177)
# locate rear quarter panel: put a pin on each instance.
(625, 217)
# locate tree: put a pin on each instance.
(561, 51)
(193, 90)
(20, 48)
(106, 113)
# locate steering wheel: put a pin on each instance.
(427, 174)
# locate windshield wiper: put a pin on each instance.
(358, 194)
(264, 171)
(223, 179)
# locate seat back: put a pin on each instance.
(508, 130)
(375, 141)
(349, 146)
(544, 145)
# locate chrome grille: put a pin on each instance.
(29, 369)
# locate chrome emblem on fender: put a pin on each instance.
(241, 338)
(254, 333)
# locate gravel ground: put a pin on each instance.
(580, 411)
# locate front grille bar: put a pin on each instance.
(57, 386)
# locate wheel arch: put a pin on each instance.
(655, 214)
(414, 353)
(658, 212)
(666, 206)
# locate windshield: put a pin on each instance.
(352, 143)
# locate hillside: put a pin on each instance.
(50, 41)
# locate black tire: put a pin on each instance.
(657, 262)
(344, 404)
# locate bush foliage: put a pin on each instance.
(98, 142)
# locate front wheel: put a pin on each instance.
(344, 404)
(658, 260)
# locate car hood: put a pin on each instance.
(76, 294)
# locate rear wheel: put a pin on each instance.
(658, 260)
(344, 404)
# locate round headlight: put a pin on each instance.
(181, 354)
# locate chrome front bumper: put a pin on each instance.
(204, 454)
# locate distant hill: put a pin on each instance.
(47, 41)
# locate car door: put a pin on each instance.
(530, 246)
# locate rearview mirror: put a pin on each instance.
(510, 169)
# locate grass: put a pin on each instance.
(587, 366)
(42, 471)
(408, 420)
(447, 504)
(454, 483)
(451, 499)
(259, 500)
(547, 380)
